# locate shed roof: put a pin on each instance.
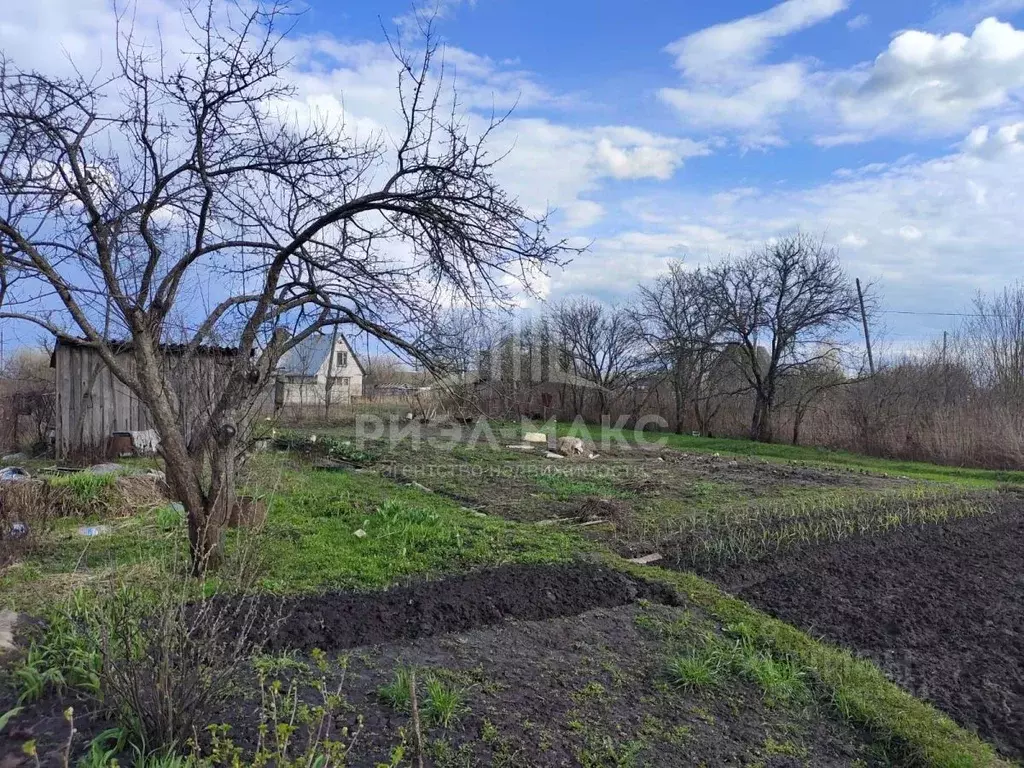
(119, 346)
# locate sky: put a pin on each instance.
(661, 129)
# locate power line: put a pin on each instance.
(937, 314)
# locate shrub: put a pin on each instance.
(159, 663)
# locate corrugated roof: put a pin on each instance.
(125, 345)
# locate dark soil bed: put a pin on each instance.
(939, 607)
(554, 665)
(585, 690)
(338, 620)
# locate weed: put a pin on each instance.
(169, 517)
(697, 669)
(396, 693)
(603, 751)
(488, 732)
(444, 704)
(86, 488)
(274, 666)
(781, 680)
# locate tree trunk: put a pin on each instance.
(798, 416)
(761, 424)
(206, 530)
(678, 388)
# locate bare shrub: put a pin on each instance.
(158, 659)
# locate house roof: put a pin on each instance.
(306, 357)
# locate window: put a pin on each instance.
(342, 359)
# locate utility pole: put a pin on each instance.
(864, 322)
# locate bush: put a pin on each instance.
(159, 664)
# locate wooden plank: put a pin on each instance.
(646, 559)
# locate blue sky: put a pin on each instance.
(826, 136)
(696, 130)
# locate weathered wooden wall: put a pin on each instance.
(92, 403)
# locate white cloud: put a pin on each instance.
(839, 139)
(727, 85)
(552, 165)
(931, 83)
(922, 84)
(713, 52)
(859, 21)
(932, 231)
(986, 142)
(583, 214)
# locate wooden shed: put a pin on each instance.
(92, 403)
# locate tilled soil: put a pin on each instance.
(939, 607)
(337, 620)
(585, 690)
(555, 665)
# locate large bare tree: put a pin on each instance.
(599, 347)
(781, 306)
(125, 196)
(681, 331)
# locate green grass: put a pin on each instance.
(858, 690)
(565, 487)
(444, 704)
(696, 669)
(315, 523)
(324, 530)
(441, 703)
(917, 470)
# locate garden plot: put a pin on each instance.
(524, 665)
(531, 644)
(695, 510)
(939, 607)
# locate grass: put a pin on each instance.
(916, 470)
(359, 529)
(696, 670)
(324, 530)
(444, 704)
(441, 703)
(315, 520)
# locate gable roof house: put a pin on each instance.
(304, 371)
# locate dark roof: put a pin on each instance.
(125, 345)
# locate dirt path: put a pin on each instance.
(939, 607)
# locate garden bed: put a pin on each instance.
(939, 607)
(518, 665)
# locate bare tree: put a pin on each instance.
(382, 371)
(781, 305)
(599, 344)
(123, 196)
(681, 331)
(994, 339)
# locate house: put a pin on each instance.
(92, 404)
(305, 370)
